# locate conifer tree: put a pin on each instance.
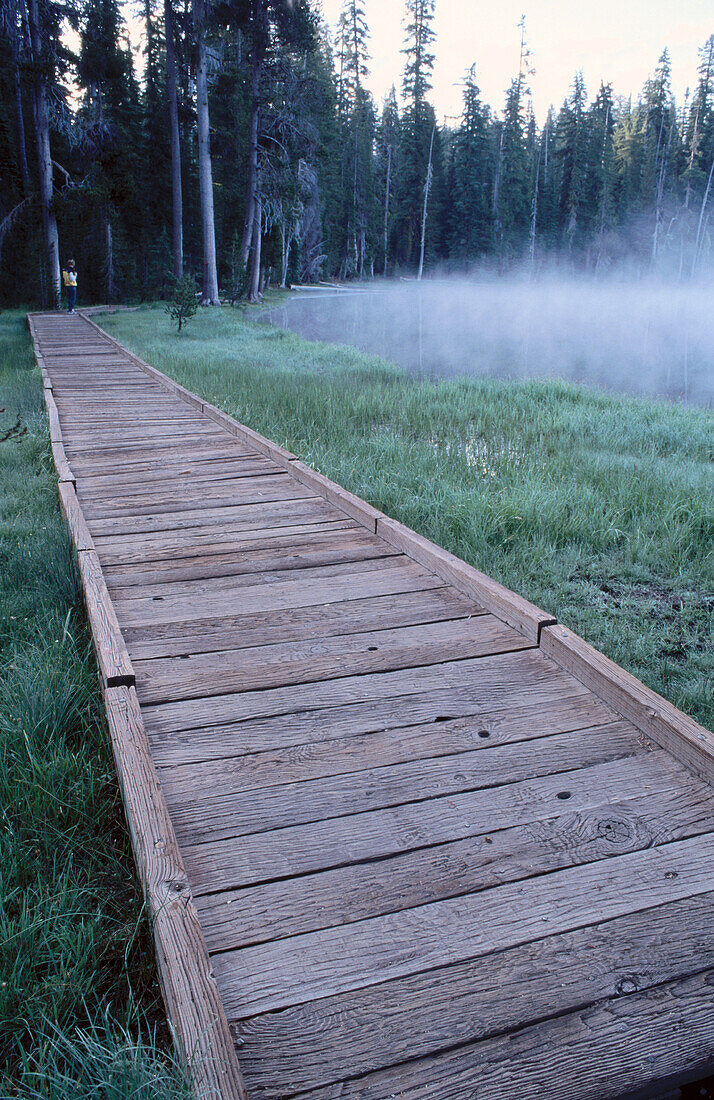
(471, 228)
(419, 143)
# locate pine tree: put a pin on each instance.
(420, 143)
(471, 227)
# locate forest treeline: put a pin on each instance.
(245, 147)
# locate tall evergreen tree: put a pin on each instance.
(471, 228)
(418, 145)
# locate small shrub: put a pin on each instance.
(182, 304)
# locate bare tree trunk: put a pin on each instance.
(108, 258)
(176, 186)
(17, 87)
(386, 208)
(205, 175)
(44, 156)
(534, 214)
(255, 67)
(705, 199)
(254, 291)
(427, 189)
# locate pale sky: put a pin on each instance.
(611, 40)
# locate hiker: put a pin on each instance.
(69, 275)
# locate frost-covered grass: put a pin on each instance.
(598, 508)
(79, 1000)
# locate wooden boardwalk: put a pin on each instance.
(401, 835)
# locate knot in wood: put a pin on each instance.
(628, 983)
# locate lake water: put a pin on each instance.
(653, 339)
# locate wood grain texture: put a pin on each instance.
(307, 661)
(81, 538)
(229, 807)
(265, 977)
(274, 592)
(341, 618)
(308, 549)
(274, 910)
(333, 1038)
(192, 1001)
(411, 721)
(658, 718)
(109, 646)
(317, 846)
(483, 681)
(622, 1048)
(62, 466)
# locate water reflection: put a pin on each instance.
(629, 337)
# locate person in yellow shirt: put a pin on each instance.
(69, 277)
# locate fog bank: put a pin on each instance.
(643, 338)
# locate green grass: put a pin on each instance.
(598, 508)
(79, 1000)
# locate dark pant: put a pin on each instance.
(71, 296)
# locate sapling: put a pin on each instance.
(183, 303)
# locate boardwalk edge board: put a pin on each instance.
(683, 737)
(193, 1004)
(506, 605)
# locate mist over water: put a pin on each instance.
(646, 338)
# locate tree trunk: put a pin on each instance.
(205, 175)
(108, 259)
(427, 189)
(705, 199)
(17, 87)
(254, 291)
(44, 157)
(386, 208)
(255, 67)
(176, 187)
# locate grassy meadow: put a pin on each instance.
(80, 1009)
(598, 508)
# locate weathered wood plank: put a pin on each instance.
(300, 550)
(245, 514)
(277, 516)
(320, 621)
(127, 482)
(311, 744)
(317, 846)
(271, 592)
(237, 491)
(62, 466)
(486, 681)
(273, 910)
(265, 977)
(258, 667)
(229, 807)
(109, 646)
(81, 538)
(190, 994)
(328, 1040)
(658, 718)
